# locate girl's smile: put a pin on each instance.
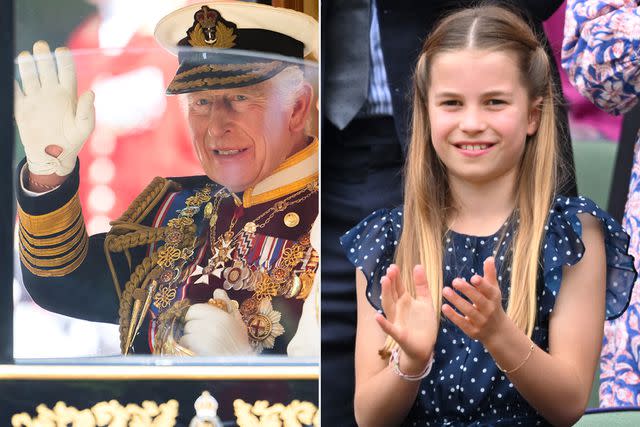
(480, 114)
(473, 149)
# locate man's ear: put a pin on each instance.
(535, 113)
(301, 108)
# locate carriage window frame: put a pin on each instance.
(7, 209)
(16, 23)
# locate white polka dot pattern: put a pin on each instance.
(465, 387)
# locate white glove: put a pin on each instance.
(47, 111)
(211, 331)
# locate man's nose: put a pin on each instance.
(472, 120)
(219, 118)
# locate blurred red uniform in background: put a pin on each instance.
(117, 58)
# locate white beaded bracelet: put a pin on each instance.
(394, 362)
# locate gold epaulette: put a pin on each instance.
(127, 233)
(147, 200)
(56, 243)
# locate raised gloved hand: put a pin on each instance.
(215, 330)
(49, 115)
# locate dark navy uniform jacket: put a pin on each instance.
(99, 277)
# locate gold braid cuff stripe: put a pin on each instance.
(81, 255)
(52, 244)
(70, 255)
(53, 222)
(37, 245)
(257, 66)
(42, 249)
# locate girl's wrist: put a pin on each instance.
(495, 340)
(412, 365)
(509, 346)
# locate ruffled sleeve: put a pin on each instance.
(370, 246)
(563, 246)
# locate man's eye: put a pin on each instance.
(240, 98)
(202, 101)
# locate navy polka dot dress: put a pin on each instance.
(465, 386)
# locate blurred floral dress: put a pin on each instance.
(601, 53)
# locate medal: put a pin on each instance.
(291, 219)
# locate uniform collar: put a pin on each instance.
(292, 175)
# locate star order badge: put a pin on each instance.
(264, 326)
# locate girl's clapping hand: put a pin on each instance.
(483, 317)
(410, 321)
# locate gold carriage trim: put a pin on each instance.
(149, 413)
(261, 413)
(257, 66)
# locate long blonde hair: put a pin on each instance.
(427, 195)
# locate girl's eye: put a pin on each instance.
(496, 102)
(451, 103)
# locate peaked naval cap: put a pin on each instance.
(223, 45)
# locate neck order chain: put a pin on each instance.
(222, 246)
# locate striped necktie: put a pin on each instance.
(346, 52)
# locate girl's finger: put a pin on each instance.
(456, 318)
(390, 329)
(421, 284)
(466, 308)
(486, 288)
(388, 299)
(471, 291)
(394, 273)
(489, 268)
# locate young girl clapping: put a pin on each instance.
(482, 300)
